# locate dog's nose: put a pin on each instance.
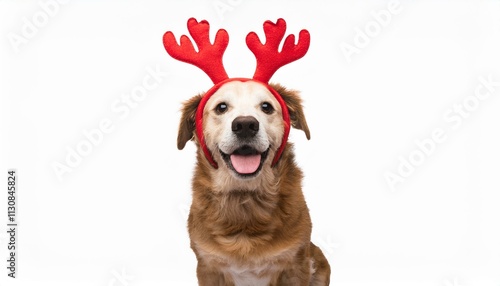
(245, 126)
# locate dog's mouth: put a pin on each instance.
(245, 161)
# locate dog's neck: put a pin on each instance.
(224, 182)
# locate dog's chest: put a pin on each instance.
(254, 271)
(250, 276)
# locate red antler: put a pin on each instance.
(209, 57)
(269, 60)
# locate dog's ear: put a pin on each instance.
(294, 104)
(187, 124)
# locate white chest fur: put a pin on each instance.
(252, 276)
(255, 272)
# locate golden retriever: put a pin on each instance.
(249, 223)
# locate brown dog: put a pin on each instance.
(249, 223)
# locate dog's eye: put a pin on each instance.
(221, 108)
(267, 107)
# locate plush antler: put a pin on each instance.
(209, 57)
(269, 59)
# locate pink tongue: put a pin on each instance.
(245, 164)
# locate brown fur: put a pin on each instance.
(248, 228)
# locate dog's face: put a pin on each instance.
(243, 127)
(243, 124)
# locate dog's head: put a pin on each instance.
(243, 125)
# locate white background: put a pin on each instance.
(119, 216)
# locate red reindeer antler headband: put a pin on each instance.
(209, 59)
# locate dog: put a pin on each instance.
(249, 223)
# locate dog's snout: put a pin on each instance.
(245, 126)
